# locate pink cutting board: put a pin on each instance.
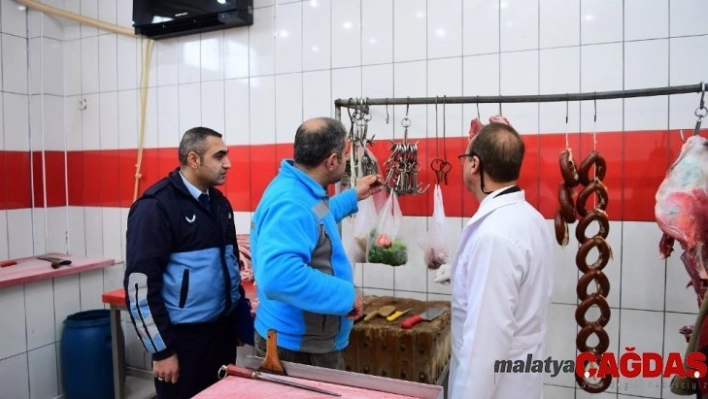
(243, 388)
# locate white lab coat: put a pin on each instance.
(502, 280)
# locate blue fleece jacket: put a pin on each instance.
(304, 278)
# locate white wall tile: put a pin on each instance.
(409, 80)
(480, 78)
(262, 3)
(3, 236)
(67, 300)
(16, 124)
(42, 371)
(376, 31)
(559, 23)
(128, 118)
(288, 106)
(377, 292)
(519, 75)
(646, 19)
(89, 65)
(519, 25)
(74, 124)
(242, 220)
(123, 229)
(190, 105)
(91, 286)
(643, 276)
(72, 67)
(14, 376)
(91, 123)
(346, 33)
(409, 33)
(600, 21)
(108, 62)
(262, 43)
(481, 37)
(419, 296)
(94, 229)
(316, 35)
(565, 270)
(377, 82)
(14, 18)
(14, 68)
(559, 73)
(557, 392)
(635, 324)
(127, 62)
(236, 53)
(445, 29)
(39, 223)
(262, 110)
(107, 12)
(376, 275)
(674, 342)
(686, 17)
(77, 231)
(316, 89)
(57, 230)
(72, 29)
(35, 65)
(89, 8)
(45, 24)
(445, 79)
(20, 237)
(212, 56)
(681, 49)
(168, 127)
(53, 66)
(108, 120)
(411, 276)
(113, 275)
(601, 70)
(190, 59)
(124, 13)
(111, 234)
(679, 297)
(346, 83)
(12, 312)
(39, 302)
(237, 112)
(168, 60)
(213, 105)
(561, 325)
(288, 38)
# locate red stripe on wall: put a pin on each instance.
(636, 165)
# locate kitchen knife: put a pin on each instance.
(428, 315)
(257, 375)
(398, 314)
(56, 262)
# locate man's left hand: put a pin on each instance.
(358, 308)
(367, 186)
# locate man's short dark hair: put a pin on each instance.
(314, 142)
(501, 151)
(194, 139)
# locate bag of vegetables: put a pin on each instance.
(384, 245)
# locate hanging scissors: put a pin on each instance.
(441, 168)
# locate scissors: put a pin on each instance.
(441, 168)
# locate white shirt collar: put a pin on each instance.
(192, 189)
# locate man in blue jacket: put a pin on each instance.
(305, 285)
(182, 279)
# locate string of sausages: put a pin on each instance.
(574, 206)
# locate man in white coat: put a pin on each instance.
(502, 275)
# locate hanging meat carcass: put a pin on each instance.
(682, 211)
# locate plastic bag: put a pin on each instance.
(384, 244)
(434, 244)
(364, 222)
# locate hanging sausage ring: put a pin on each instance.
(592, 188)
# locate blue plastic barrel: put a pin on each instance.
(86, 365)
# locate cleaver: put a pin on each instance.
(428, 315)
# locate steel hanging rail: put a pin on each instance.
(541, 98)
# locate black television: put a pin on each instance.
(161, 19)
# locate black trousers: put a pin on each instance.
(201, 349)
(331, 360)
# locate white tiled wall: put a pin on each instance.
(256, 84)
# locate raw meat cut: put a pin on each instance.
(476, 125)
(682, 211)
(244, 249)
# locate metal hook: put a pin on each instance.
(594, 100)
(478, 115)
(700, 112)
(566, 112)
(387, 116)
(500, 107)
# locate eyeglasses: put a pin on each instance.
(463, 157)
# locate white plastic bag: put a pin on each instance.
(434, 244)
(364, 222)
(385, 244)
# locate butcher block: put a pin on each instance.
(381, 347)
(347, 384)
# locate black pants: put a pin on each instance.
(331, 360)
(201, 349)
